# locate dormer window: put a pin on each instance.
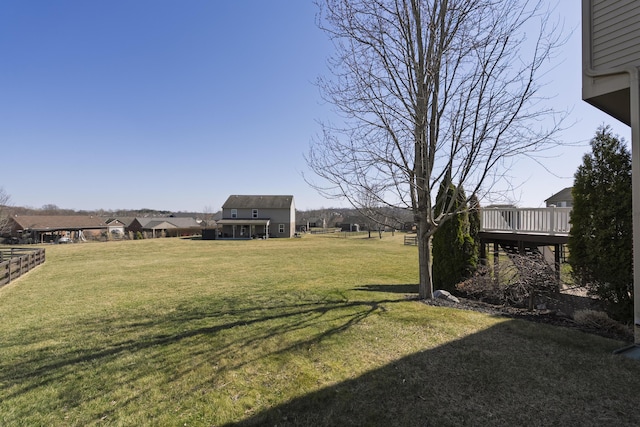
(234, 213)
(254, 213)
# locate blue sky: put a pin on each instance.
(177, 104)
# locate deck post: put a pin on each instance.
(556, 254)
(496, 262)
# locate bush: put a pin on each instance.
(601, 238)
(455, 252)
(599, 320)
(482, 287)
(521, 281)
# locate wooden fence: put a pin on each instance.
(411, 239)
(15, 262)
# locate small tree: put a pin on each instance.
(601, 240)
(454, 252)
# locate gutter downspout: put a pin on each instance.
(634, 80)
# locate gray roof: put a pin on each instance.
(152, 222)
(258, 202)
(158, 224)
(562, 195)
(58, 222)
(126, 220)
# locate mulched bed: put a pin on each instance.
(557, 314)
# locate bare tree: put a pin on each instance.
(431, 92)
(375, 215)
(208, 215)
(4, 210)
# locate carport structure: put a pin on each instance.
(50, 228)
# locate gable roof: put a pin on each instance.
(152, 222)
(125, 220)
(257, 202)
(159, 225)
(58, 222)
(562, 195)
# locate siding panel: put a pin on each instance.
(616, 33)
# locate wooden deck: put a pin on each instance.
(530, 225)
(547, 221)
(526, 230)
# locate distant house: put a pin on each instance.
(247, 217)
(353, 223)
(115, 228)
(165, 226)
(306, 221)
(51, 228)
(305, 224)
(562, 199)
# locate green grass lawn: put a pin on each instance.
(312, 331)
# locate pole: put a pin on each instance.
(635, 186)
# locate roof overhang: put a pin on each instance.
(610, 55)
(62, 228)
(236, 221)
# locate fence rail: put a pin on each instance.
(15, 262)
(411, 239)
(549, 221)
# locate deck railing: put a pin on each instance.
(549, 221)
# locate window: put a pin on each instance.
(280, 228)
(234, 213)
(254, 213)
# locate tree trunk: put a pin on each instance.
(425, 288)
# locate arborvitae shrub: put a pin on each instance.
(455, 253)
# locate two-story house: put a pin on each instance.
(250, 217)
(562, 199)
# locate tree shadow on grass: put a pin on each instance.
(317, 319)
(408, 288)
(502, 376)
